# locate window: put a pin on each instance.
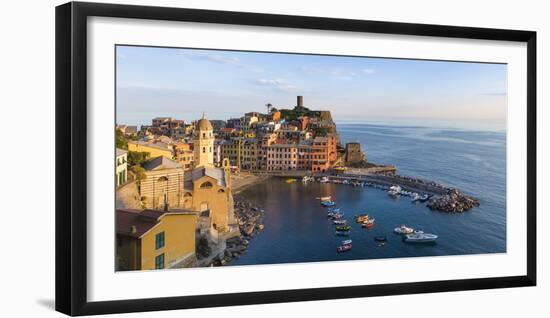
(159, 261)
(203, 149)
(206, 185)
(159, 240)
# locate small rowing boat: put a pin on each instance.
(368, 224)
(343, 248)
(343, 228)
(341, 233)
(328, 203)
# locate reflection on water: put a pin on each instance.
(297, 229)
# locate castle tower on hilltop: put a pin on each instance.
(204, 143)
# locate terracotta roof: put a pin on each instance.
(143, 221)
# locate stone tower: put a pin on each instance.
(204, 143)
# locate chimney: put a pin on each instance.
(300, 101)
(133, 229)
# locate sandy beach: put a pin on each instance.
(244, 179)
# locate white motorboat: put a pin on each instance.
(403, 230)
(306, 179)
(324, 180)
(394, 190)
(420, 237)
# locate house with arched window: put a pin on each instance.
(162, 188)
(208, 190)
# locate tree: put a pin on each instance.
(120, 140)
(135, 158)
(139, 172)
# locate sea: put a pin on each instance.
(297, 229)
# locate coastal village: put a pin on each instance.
(177, 182)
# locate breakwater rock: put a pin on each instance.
(452, 201)
(250, 221)
(249, 217)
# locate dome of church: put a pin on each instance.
(204, 124)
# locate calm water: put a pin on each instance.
(297, 229)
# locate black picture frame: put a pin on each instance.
(71, 157)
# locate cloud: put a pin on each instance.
(278, 84)
(335, 72)
(369, 71)
(213, 57)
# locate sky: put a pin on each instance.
(184, 83)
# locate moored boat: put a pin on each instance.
(394, 190)
(403, 230)
(361, 218)
(326, 198)
(340, 222)
(334, 210)
(344, 242)
(380, 238)
(307, 179)
(420, 237)
(290, 180)
(343, 228)
(343, 248)
(335, 216)
(328, 203)
(368, 224)
(341, 233)
(324, 180)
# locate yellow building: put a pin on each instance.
(163, 186)
(241, 151)
(155, 149)
(184, 155)
(153, 239)
(208, 189)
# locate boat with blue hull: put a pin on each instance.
(328, 203)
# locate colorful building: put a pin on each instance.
(154, 149)
(184, 155)
(282, 156)
(121, 170)
(153, 239)
(241, 152)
